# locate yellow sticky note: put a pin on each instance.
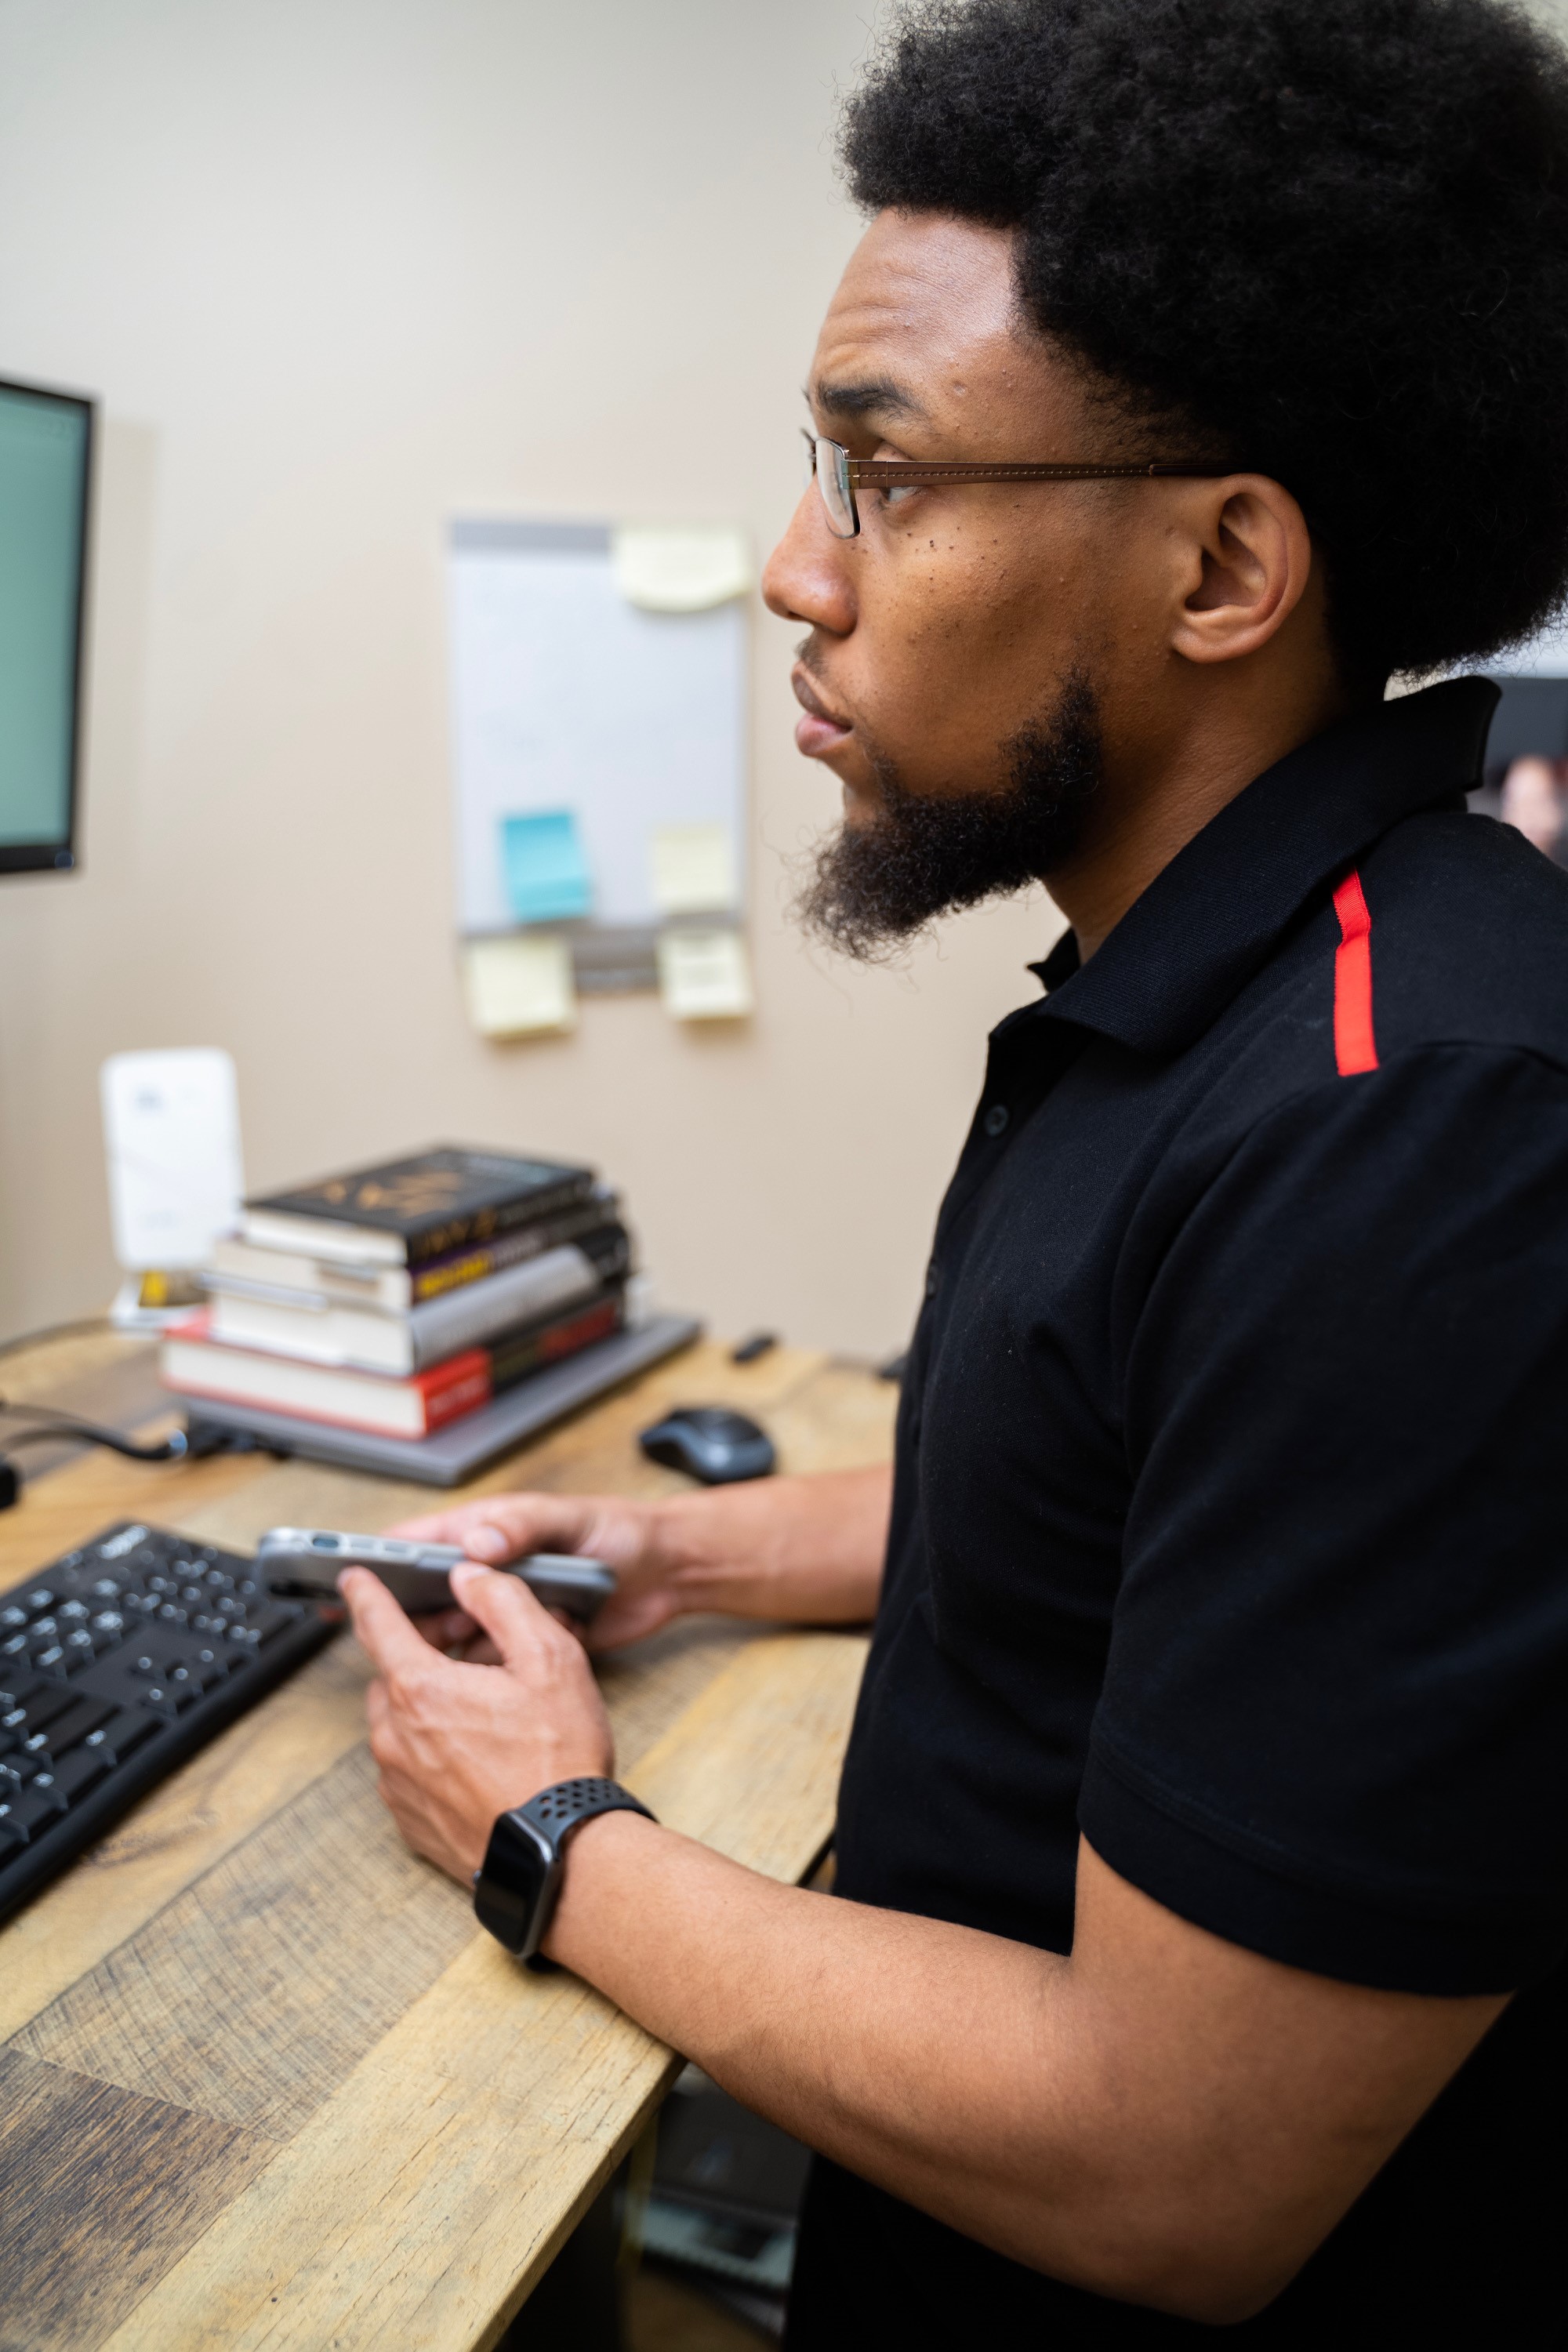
(679, 570)
(517, 985)
(704, 975)
(693, 868)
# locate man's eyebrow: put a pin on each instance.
(873, 397)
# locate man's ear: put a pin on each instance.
(1247, 558)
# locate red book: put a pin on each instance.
(196, 1365)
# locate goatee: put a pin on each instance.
(874, 886)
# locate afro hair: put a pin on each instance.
(1330, 237)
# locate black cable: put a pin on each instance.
(54, 1331)
(172, 1448)
(69, 1428)
(72, 1428)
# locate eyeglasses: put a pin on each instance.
(838, 476)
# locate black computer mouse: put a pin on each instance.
(711, 1442)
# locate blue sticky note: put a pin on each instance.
(543, 868)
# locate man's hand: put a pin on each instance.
(626, 1536)
(457, 1744)
(793, 1550)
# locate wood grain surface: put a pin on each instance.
(263, 2084)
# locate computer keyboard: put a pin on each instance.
(116, 1663)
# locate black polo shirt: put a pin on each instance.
(1230, 1520)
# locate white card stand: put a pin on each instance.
(171, 1129)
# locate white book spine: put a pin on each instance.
(326, 1333)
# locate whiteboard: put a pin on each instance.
(566, 696)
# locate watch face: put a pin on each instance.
(512, 1881)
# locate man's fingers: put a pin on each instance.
(483, 1538)
(446, 1630)
(502, 1526)
(382, 1629)
(504, 1606)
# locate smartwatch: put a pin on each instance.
(516, 1888)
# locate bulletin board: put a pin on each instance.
(569, 696)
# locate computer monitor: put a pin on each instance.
(46, 461)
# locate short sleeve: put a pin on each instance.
(1334, 1724)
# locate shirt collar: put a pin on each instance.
(1212, 917)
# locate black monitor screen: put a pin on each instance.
(46, 448)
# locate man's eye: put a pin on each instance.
(895, 492)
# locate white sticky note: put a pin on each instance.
(704, 975)
(515, 986)
(683, 570)
(693, 868)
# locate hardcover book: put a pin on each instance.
(326, 1333)
(196, 1365)
(404, 1211)
(288, 1278)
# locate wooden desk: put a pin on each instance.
(262, 2081)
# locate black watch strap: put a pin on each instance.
(559, 1810)
(515, 1891)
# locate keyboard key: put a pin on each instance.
(35, 1809)
(48, 1700)
(266, 1624)
(103, 1675)
(84, 1716)
(76, 1774)
(124, 1735)
(168, 1700)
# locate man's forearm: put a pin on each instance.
(1113, 2117)
(883, 2041)
(798, 1551)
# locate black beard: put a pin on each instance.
(874, 886)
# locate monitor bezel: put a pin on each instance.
(61, 857)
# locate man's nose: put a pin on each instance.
(807, 577)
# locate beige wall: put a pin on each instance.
(338, 268)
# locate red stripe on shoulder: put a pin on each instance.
(1355, 1047)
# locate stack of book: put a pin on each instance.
(397, 1298)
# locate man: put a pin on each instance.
(1203, 1853)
